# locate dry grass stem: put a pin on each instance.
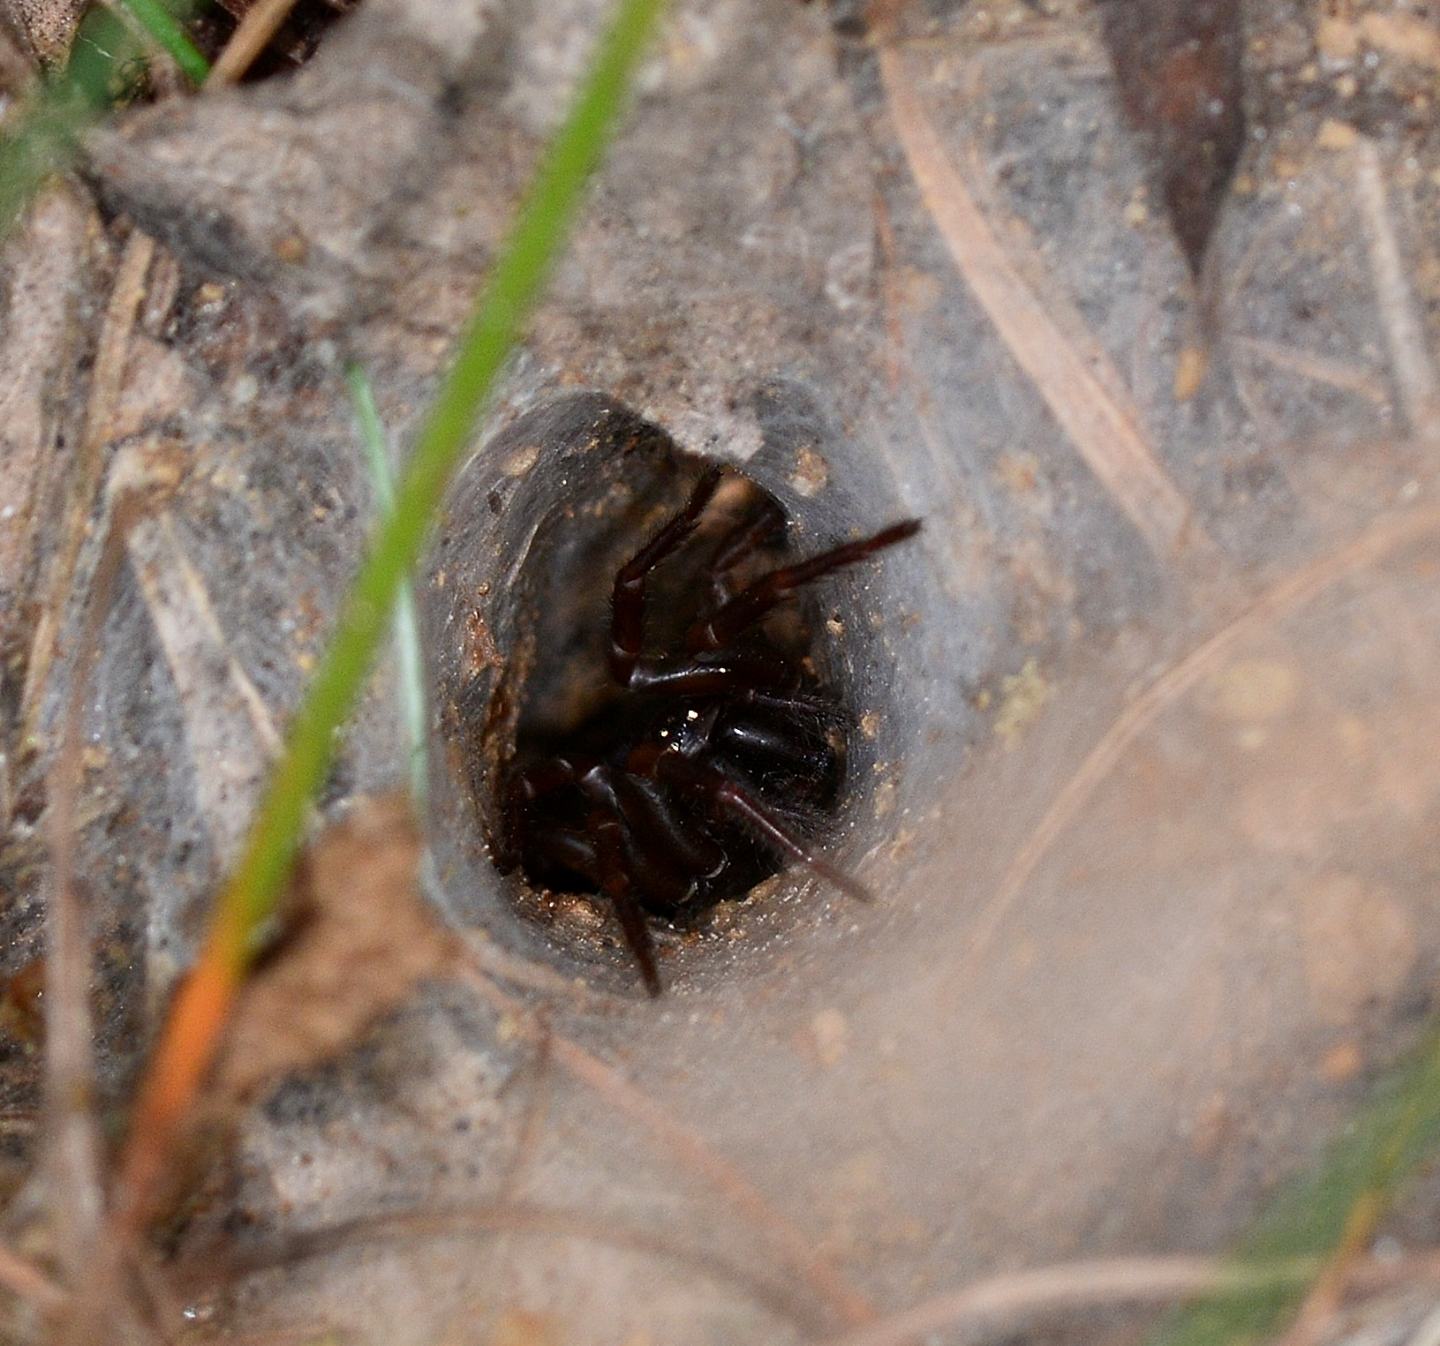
(25, 1280)
(1110, 1281)
(1369, 549)
(227, 726)
(506, 1218)
(72, 1140)
(532, 1121)
(261, 22)
(1101, 422)
(1126, 1280)
(1319, 369)
(694, 1153)
(1404, 329)
(106, 381)
(493, 961)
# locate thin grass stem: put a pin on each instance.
(410, 669)
(190, 1035)
(1314, 1216)
(169, 34)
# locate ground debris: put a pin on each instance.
(1178, 67)
(358, 937)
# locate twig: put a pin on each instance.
(72, 1141)
(694, 1152)
(1100, 421)
(1290, 593)
(1404, 329)
(1105, 1281)
(25, 1279)
(261, 22)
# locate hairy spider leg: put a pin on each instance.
(756, 599)
(627, 603)
(523, 786)
(735, 671)
(729, 795)
(823, 709)
(762, 740)
(651, 817)
(615, 884)
(661, 850)
(599, 854)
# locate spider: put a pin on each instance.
(706, 764)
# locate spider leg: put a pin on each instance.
(627, 604)
(547, 775)
(787, 751)
(730, 797)
(740, 543)
(822, 710)
(651, 817)
(609, 839)
(568, 849)
(667, 863)
(660, 853)
(523, 786)
(756, 599)
(615, 851)
(735, 671)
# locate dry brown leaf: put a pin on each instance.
(359, 938)
(1178, 67)
(22, 1010)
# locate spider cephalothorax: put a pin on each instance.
(708, 767)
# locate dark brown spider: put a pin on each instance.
(705, 765)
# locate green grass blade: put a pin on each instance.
(1379, 1149)
(40, 137)
(38, 146)
(410, 670)
(166, 31)
(513, 287)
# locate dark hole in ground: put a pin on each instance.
(519, 614)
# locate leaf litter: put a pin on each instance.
(1178, 67)
(355, 939)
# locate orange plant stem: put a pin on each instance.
(187, 1048)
